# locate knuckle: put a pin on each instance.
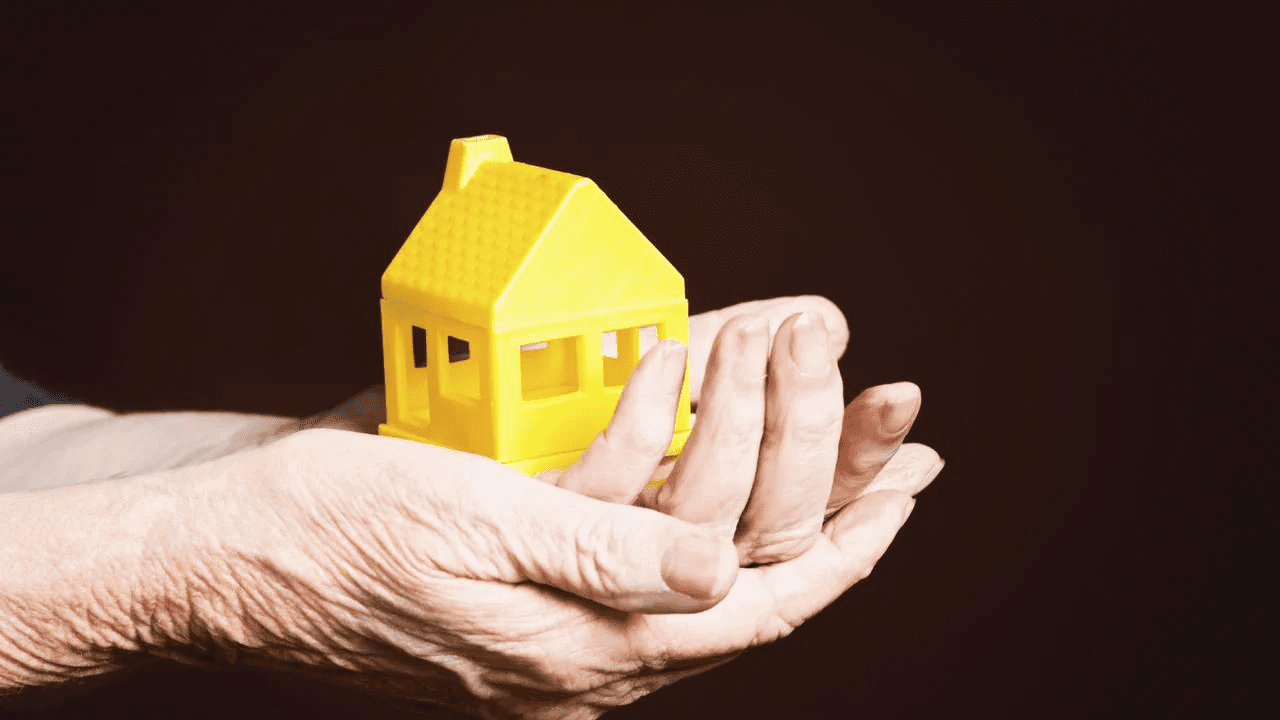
(777, 624)
(815, 429)
(804, 428)
(735, 425)
(775, 547)
(597, 538)
(867, 463)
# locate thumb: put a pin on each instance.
(626, 557)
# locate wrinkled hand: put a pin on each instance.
(771, 458)
(436, 575)
(430, 574)
(871, 454)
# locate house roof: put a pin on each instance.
(507, 244)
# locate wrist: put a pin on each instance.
(87, 581)
(46, 448)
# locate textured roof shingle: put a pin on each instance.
(466, 250)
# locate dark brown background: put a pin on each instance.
(1022, 210)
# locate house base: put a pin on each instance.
(533, 466)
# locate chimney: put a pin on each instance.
(466, 154)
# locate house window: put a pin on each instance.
(413, 407)
(648, 338)
(459, 349)
(419, 347)
(622, 350)
(461, 373)
(549, 368)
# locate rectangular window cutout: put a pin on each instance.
(648, 338)
(621, 351)
(419, 347)
(459, 349)
(549, 368)
(459, 377)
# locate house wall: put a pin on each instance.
(445, 403)
(487, 411)
(533, 428)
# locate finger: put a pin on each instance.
(712, 479)
(769, 602)
(665, 466)
(705, 327)
(462, 516)
(910, 471)
(875, 424)
(803, 410)
(623, 458)
(855, 540)
(625, 557)
(361, 413)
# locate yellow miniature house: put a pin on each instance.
(514, 313)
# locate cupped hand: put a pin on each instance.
(445, 577)
(439, 576)
(771, 458)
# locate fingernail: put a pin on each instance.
(691, 566)
(809, 345)
(896, 416)
(754, 324)
(673, 363)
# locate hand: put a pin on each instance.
(812, 459)
(772, 454)
(435, 575)
(427, 573)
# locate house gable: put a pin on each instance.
(508, 245)
(590, 259)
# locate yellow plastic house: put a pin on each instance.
(516, 310)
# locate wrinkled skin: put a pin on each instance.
(447, 578)
(452, 597)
